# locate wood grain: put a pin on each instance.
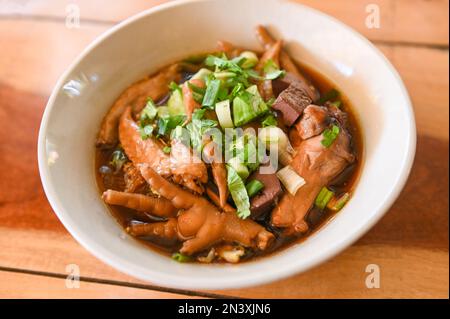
(427, 81)
(406, 21)
(35, 286)
(410, 244)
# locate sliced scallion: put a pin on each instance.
(254, 187)
(290, 179)
(211, 93)
(325, 195)
(223, 112)
(336, 204)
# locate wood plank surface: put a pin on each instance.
(410, 244)
(408, 21)
(44, 287)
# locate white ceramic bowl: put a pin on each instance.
(154, 38)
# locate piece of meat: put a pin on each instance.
(218, 170)
(282, 83)
(318, 165)
(216, 200)
(291, 103)
(134, 183)
(228, 48)
(271, 53)
(166, 230)
(200, 224)
(262, 202)
(135, 96)
(337, 114)
(219, 173)
(157, 206)
(187, 169)
(180, 165)
(141, 151)
(314, 121)
(286, 63)
(188, 99)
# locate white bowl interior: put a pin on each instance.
(157, 37)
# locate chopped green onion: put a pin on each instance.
(236, 90)
(238, 193)
(330, 95)
(197, 128)
(290, 179)
(247, 106)
(274, 74)
(148, 113)
(201, 74)
(223, 75)
(223, 94)
(323, 198)
(195, 88)
(146, 131)
(167, 124)
(251, 59)
(118, 158)
(173, 86)
(337, 104)
(269, 120)
(181, 258)
(198, 114)
(211, 93)
(175, 103)
(254, 187)
(242, 111)
(225, 64)
(257, 101)
(336, 204)
(239, 167)
(270, 101)
(223, 112)
(167, 149)
(270, 66)
(163, 111)
(329, 135)
(273, 136)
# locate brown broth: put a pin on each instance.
(345, 182)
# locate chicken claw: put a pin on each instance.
(201, 224)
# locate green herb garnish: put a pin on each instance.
(238, 192)
(167, 149)
(181, 258)
(254, 187)
(325, 195)
(173, 86)
(269, 120)
(329, 135)
(148, 114)
(196, 88)
(167, 124)
(330, 95)
(212, 90)
(118, 158)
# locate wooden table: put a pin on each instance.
(410, 244)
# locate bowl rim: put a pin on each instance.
(253, 279)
